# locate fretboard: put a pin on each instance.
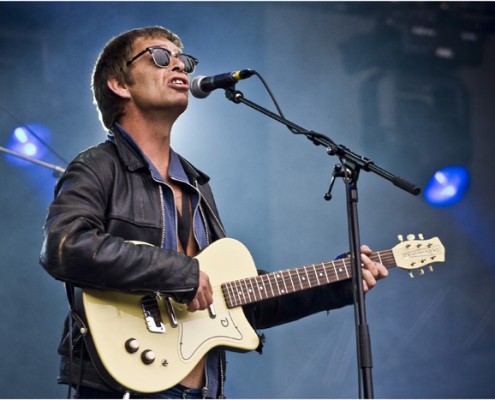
(273, 284)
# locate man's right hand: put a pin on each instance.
(204, 295)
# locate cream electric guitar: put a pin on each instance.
(148, 343)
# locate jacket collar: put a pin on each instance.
(133, 160)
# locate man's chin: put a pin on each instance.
(178, 106)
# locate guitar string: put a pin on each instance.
(235, 292)
(285, 277)
(243, 291)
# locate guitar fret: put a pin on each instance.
(280, 279)
(232, 295)
(247, 290)
(226, 294)
(345, 266)
(335, 271)
(307, 275)
(252, 288)
(307, 278)
(316, 274)
(283, 280)
(269, 283)
(298, 281)
(237, 295)
(325, 271)
(292, 282)
(323, 267)
(239, 292)
(379, 257)
(299, 277)
(259, 288)
(276, 281)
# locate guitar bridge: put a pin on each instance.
(152, 315)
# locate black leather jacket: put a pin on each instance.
(106, 197)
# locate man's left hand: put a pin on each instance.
(372, 270)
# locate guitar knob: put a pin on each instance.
(148, 357)
(131, 345)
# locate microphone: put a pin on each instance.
(201, 86)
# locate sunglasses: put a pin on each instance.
(162, 56)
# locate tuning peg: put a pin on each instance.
(421, 271)
(411, 274)
(411, 237)
(421, 236)
(401, 238)
(430, 268)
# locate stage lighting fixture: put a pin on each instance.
(28, 140)
(24, 144)
(447, 186)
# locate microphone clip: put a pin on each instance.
(234, 95)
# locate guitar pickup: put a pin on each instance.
(152, 315)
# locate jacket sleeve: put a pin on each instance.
(78, 249)
(291, 307)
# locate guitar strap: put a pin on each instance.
(184, 221)
(74, 317)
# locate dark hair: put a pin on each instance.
(111, 63)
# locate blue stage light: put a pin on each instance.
(30, 149)
(27, 141)
(447, 186)
(21, 134)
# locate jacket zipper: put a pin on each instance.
(202, 214)
(200, 210)
(212, 213)
(162, 208)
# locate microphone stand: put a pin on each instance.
(349, 171)
(57, 171)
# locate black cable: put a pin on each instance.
(295, 131)
(70, 322)
(311, 135)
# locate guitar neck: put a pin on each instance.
(273, 284)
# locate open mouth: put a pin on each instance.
(179, 81)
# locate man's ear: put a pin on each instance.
(119, 88)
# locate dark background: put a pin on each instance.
(409, 85)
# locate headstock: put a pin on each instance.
(419, 253)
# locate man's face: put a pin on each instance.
(158, 88)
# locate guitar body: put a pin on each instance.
(115, 319)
